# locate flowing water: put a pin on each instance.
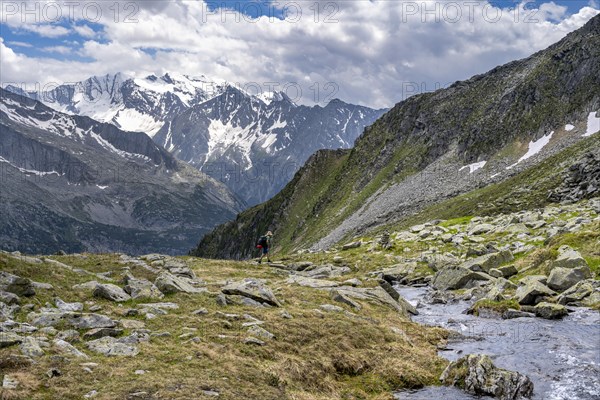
(561, 357)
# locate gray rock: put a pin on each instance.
(550, 310)
(398, 272)
(62, 306)
(311, 282)
(253, 289)
(353, 282)
(476, 374)
(86, 287)
(568, 258)
(457, 277)
(9, 298)
(70, 335)
(325, 271)
(66, 348)
(259, 332)
(337, 296)
(102, 332)
(254, 341)
(302, 265)
(168, 283)
(508, 270)
(352, 245)
(532, 292)
(179, 268)
(30, 347)
(488, 261)
(8, 339)
(16, 284)
(72, 319)
(511, 313)
(578, 292)
(110, 346)
(495, 273)
(141, 289)
(377, 295)
(563, 278)
(480, 228)
(111, 292)
(331, 308)
(10, 382)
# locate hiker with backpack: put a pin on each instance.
(264, 243)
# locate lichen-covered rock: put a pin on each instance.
(578, 292)
(563, 278)
(168, 283)
(488, 261)
(477, 375)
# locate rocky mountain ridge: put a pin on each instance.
(73, 184)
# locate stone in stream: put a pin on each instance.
(511, 313)
(477, 375)
(550, 310)
(457, 277)
(253, 289)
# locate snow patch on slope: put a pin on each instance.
(593, 124)
(132, 120)
(474, 167)
(30, 171)
(534, 148)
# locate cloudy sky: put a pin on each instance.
(370, 52)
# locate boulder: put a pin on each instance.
(72, 319)
(457, 277)
(30, 347)
(63, 306)
(111, 292)
(480, 228)
(16, 284)
(142, 289)
(488, 261)
(578, 292)
(352, 245)
(378, 295)
(254, 289)
(532, 292)
(550, 310)
(168, 283)
(67, 348)
(259, 332)
(325, 271)
(9, 298)
(179, 268)
(568, 258)
(8, 339)
(110, 346)
(398, 272)
(337, 296)
(508, 270)
(477, 375)
(563, 278)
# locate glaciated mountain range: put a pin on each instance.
(252, 143)
(74, 184)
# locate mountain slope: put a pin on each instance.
(437, 145)
(71, 183)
